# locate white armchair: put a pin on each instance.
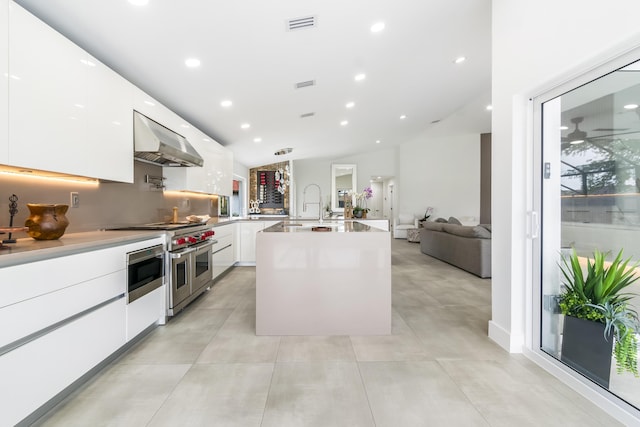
(402, 223)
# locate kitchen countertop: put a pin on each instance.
(29, 250)
(341, 226)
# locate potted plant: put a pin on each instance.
(598, 318)
(360, 210)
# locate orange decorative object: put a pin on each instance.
(46, 222)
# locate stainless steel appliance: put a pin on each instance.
(188, 260)
(220, 206)
(145, 271)
(154, 143)
(190, 264)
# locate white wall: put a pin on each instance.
(305, 172)
(318, 171)
(441, 167)
(443, 173)
(241, 170)
(535, 46)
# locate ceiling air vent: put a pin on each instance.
(302, 116)
(301, 23)
(308, 83)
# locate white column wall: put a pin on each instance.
(535, 46)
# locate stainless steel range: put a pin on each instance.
(189, 264)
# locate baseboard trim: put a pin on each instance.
(506, 340)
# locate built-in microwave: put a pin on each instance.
(220, 206)
(145, 271)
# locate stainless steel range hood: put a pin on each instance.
(157, 144)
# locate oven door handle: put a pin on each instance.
(176, 255)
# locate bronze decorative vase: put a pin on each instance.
(46, 222)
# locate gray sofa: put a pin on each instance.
(466, 247)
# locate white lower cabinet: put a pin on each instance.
(67, 315)
(224, 252)
(145, 311)
(248, 232)
(35, 372)
(247, 240)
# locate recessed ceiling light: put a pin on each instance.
(489, 107)
(360, 77)
(402, 117)
(377, 141)
(344, 123)
(139, 2)
(226, 103)
(631, 106)
(350, 104)
(564, 127)
(257, 140)
(192, 62)
(377, 27)
(460, 60)
(245, 126)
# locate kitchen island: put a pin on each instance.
(332, 278)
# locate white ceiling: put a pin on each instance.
(249, 57)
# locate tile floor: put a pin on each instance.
(438, 368)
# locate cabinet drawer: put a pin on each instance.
(224, 230)
(223, 242)
(145, 311)
(36, 372)
(38, 313)
(25, 281)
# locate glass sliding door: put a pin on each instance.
(590, 185)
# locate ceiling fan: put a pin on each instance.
(577, 136)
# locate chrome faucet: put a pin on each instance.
(319, 203)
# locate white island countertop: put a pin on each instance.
(332, 226)
(331, 282)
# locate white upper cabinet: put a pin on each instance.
(4, 82)
(110, 121)
(150, 107)
(216, 174)
(64, 105)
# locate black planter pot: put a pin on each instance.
(585, 349)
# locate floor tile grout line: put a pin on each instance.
(366, 394)
(169, 394)
(466, 396)
(273, 373)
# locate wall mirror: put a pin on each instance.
(343, 180)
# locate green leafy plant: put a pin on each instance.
(598, 297)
